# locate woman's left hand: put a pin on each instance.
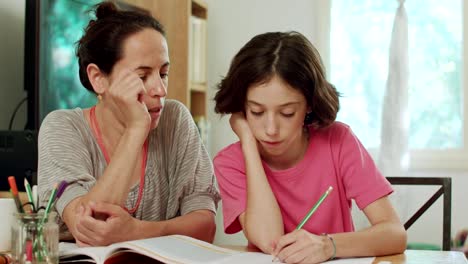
(301, 246)
(117, 227)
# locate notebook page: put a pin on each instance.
(180, 249)
(352, 261)
(248, 258)
(260, 258)
(67, 250)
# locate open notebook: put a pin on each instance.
(168, 249)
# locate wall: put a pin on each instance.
(11, 62)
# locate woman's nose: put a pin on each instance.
(157, 87)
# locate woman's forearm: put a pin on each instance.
(199, 224)
(263, 220)
(118, 174)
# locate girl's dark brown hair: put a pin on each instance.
(294, 59)
(103, 38)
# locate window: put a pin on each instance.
(359, 44)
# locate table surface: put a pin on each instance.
(409, 257)
(425, 256)
(22, 195)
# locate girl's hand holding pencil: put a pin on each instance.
(301, 246)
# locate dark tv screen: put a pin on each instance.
(51, 68)
(60, 87)
(51, 80)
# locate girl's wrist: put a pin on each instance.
(330, 249)
(248, 140)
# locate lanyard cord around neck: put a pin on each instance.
(97, 133)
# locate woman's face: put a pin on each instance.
(146, 53)
(275, 113)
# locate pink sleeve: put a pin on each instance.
(230, 173)
(362, 180)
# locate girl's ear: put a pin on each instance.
(97, 78)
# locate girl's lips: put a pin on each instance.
(272, 143)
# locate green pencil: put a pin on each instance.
(312, 211)
(50, 202)
(29, 193)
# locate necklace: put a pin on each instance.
(97, 133)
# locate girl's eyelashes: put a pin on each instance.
(259, 113)
(164, 75)
(288, 114)
(256, 113)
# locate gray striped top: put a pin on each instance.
(179, 174)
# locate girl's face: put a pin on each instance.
(275, 113)
(146, 53)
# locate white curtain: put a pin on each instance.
(394, 153)
(394, 156)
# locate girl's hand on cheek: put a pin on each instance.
(240, 126)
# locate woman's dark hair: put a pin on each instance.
(103, 38)
(290, 56)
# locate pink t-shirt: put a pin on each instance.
(335, 157)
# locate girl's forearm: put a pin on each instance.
(263, 220)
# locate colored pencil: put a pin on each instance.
(14, 192)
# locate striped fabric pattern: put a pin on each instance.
(179, 174)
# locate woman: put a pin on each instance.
(134, 162)
(291, 150)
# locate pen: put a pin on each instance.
(312, 211)
(61, 188)
(29, 193)
(14, 192)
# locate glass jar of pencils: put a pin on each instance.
(35, 238)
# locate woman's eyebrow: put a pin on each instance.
(144, 67)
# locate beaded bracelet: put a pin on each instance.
(333, 243)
